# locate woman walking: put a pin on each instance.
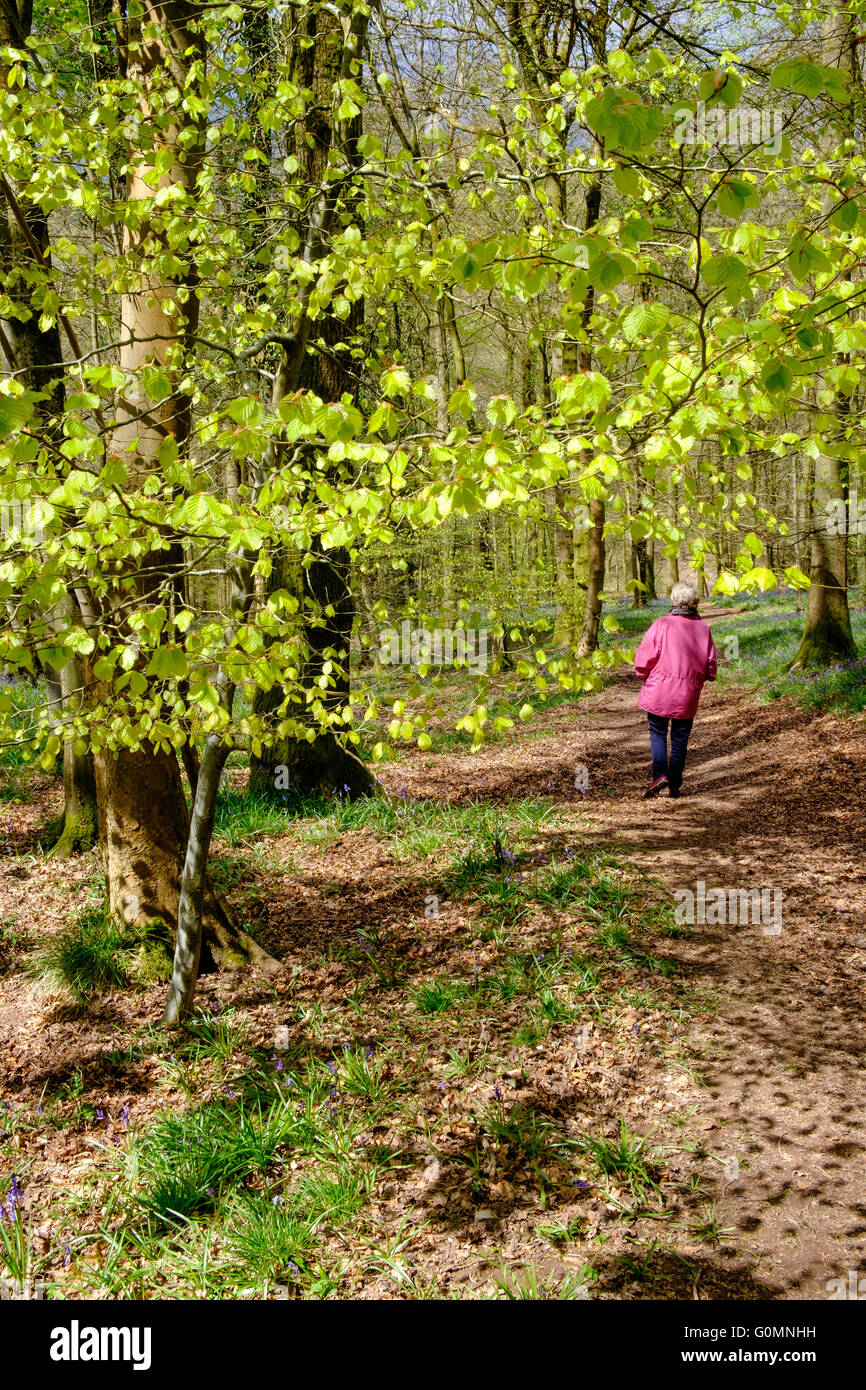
(674, 659)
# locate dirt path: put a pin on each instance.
(773, 799)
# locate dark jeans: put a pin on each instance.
(672, 767)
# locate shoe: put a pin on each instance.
(655, 787)
(674, 791)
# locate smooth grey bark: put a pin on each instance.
(190, 908)
(827, 635)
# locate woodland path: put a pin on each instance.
(774, 797)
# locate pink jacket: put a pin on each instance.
(674, 659)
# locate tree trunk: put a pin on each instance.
(193, 902)
(592, 612)
(651, 569)
(639, 551)
(79, 777)
(571, 553)
(143, 818)
(827, 636)
(588, 641)
(321, 765)
(143, 830)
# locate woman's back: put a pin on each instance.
(674, 659)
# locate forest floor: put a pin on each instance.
(494, 1063)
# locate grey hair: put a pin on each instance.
(684, 596)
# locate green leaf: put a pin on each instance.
(396, 381)
(16, 411)
(735, 195)
(808, 79)
(607, 272)
(720, 85)
(199, 510)
(759, 580)
(777, 377)
(581, 394)
(729, 271)
(462, 401)
(727, 583)
(168, 663)
(644, 320)
(805, 259)
(246, 410)
(845, 214)
(753, 544)
(623, 122)
(796, 578)
(465, 266)
(626, 181)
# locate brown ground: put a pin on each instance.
(773, 798)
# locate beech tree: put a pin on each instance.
(827, 635)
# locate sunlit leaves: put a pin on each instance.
(623, 121)
(724, 86)
(808, 79)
